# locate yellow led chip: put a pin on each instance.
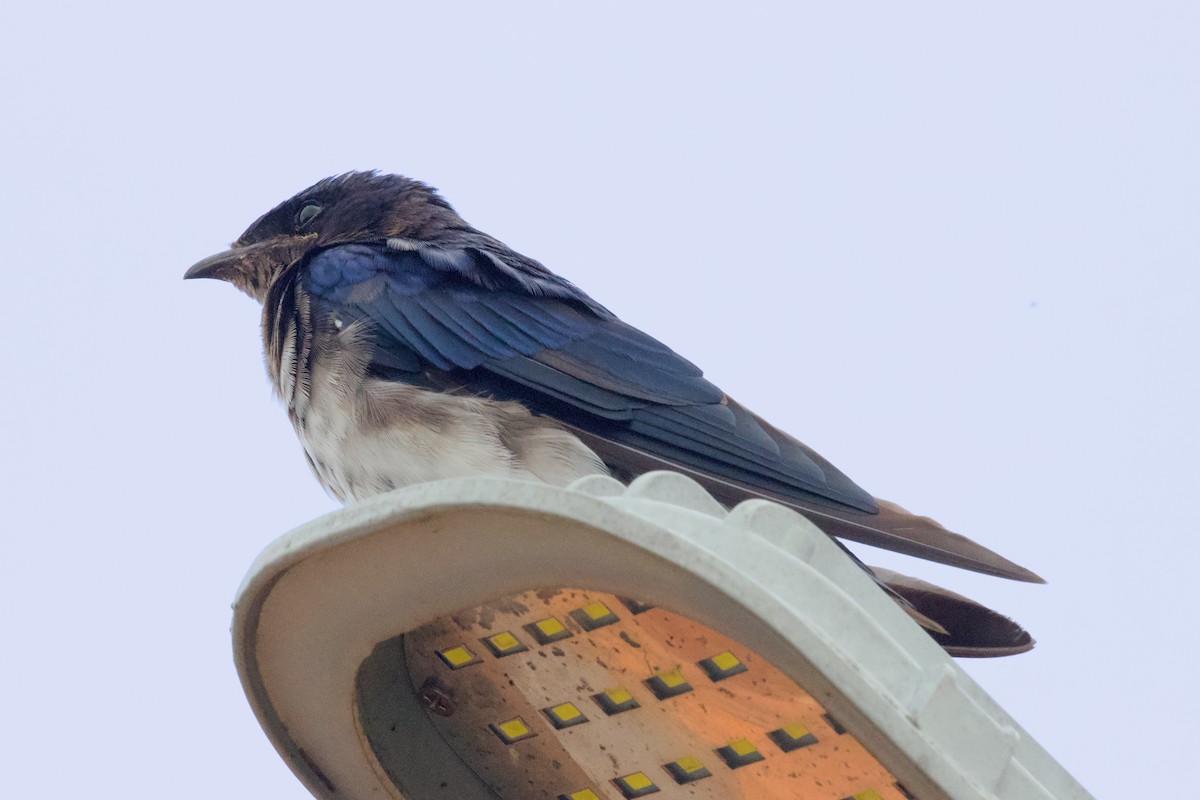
(726, 660)
(614, 701)
(567, 711)
(722, 666)
(687, 770)
(564, 715)
(869, 794)
(739, 753)
(504, 644)
(514, 730)
(458, 657)
(635, 785)
(668, 684)
(548, 630)
(582, 794)
(594, 615)
(792, 737)
(742, 747)
(596, 610)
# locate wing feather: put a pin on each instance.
(502, 326)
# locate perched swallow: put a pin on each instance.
(409, 346)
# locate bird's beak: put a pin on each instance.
(223, 266)
(215, 265)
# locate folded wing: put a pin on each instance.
(488, 321)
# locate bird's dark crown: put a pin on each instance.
(355, 206)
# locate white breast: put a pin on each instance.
(388, 435)
(365, 436)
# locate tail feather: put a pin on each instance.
(969, 629)
(960, 625)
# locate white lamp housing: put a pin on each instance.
(324, 628)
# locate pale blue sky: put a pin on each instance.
(955, 250)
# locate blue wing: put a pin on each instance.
(469, 318)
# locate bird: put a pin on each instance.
(409, 346)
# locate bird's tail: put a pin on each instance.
(960, 625)
(967, 629)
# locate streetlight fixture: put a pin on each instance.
(496, 639)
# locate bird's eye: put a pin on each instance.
(308, 214)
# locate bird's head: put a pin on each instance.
(354, 207)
